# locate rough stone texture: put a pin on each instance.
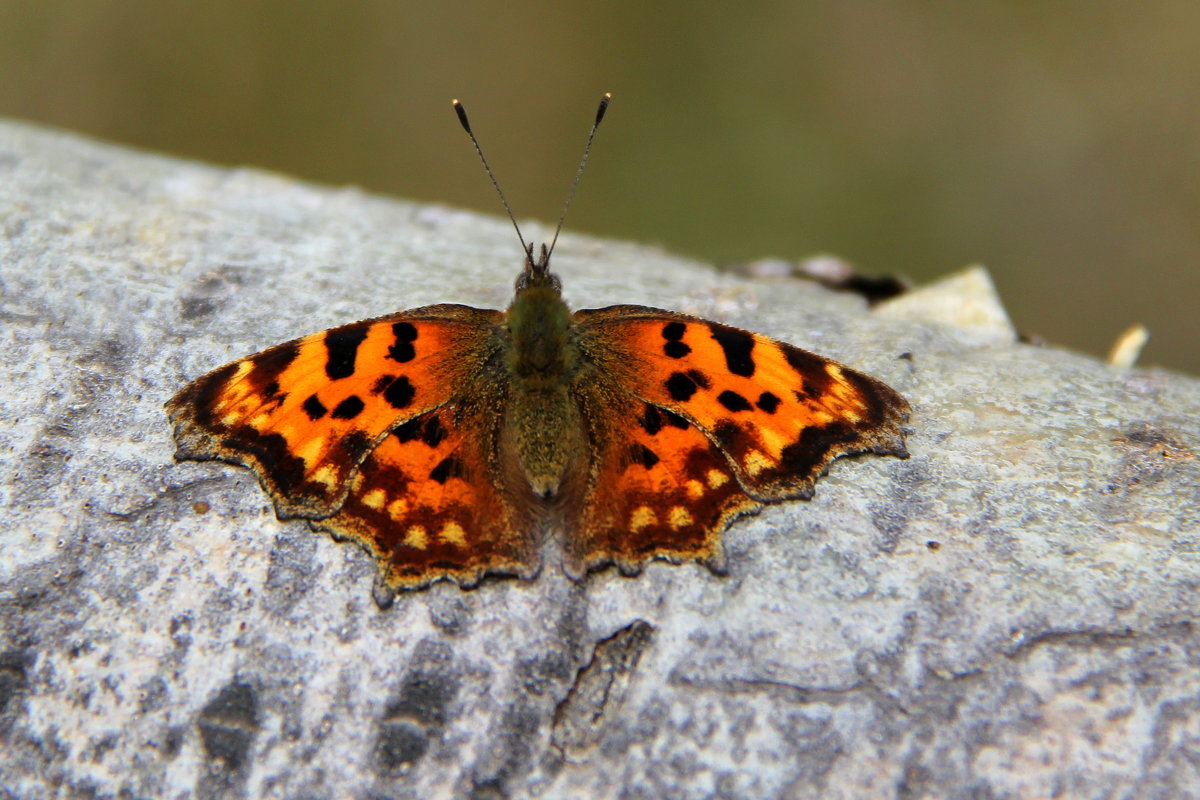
(1009, 613)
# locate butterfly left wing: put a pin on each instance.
(304, 414)
(428, 503)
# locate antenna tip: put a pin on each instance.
(462, 115)
(604, 101)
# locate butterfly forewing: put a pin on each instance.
(779, 414)
(304, 414)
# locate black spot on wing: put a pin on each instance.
(680, 387)
(341, 346)
(314, 408)
(403, 349)
(409, 430)
(673, 333)
(811, 368)
(399, 392)
(449, 467)
(349, 408)
(726, 434)
(734, 401)
(802, 361)
(808, 391)
(271, 390)
(356, 444)
(643, 455)
(434, 433)
(768, 402)
(651, 420)
(699, 378)
(737, 346)
(676, 349)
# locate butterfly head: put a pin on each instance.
(537, 274)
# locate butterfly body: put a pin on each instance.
(450, 441)
(543, 362)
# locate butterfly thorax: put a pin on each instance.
(541, 354)
(542, 360)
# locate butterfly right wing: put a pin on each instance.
(659, 488)
(780, 414)
(693, 423)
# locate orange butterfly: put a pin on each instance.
(448, 439)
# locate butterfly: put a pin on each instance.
(452, 441)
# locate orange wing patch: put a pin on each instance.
(780, 414)
(661, 490)
(304, 414)
(426, 505)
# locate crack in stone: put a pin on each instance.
(599, 688)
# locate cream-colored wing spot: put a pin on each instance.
(453, 532)
(642, 517)
(679, 517)
(416, 537)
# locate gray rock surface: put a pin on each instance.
(1008, 613)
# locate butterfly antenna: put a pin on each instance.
(462, 117)
(587, 149)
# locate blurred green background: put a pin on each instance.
(1056, 142)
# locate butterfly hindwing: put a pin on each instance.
(779, 414)
(427, 504)
(660, 489)
(304, 414)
